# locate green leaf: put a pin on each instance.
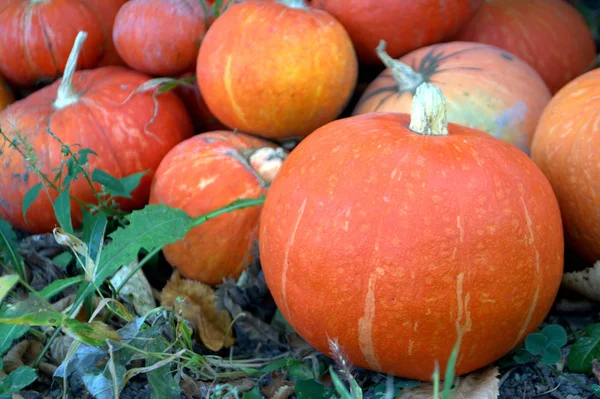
(339, 385)
(522, 357)
(556, 335)
(398, 384)
(31, 312)
(150, 228)
(8, 333)
(29, 197)
(551, 354)
(310, 389)
(301, 372)
(254, 393)
(535, 343)
(585, 350)
(95, 333)
(161, 380)
(17, 380)
(57, 286)
(10, 244)
(63, 259)
(118, 187)
(62, 210)
(7, 283)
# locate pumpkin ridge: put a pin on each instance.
(107, 34)
(26, 21)
(43, 25)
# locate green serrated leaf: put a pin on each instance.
(17, 380)
(310, 389)
(95, 333)
(535, 343)
(118, 187)
(7, 283)
(551, 354)
(556, 335)
(31, 312)
(150, 228)
(57, 286)
(29, 197)
(62, 210)
(585, 350)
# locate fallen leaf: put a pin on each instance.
(60, 347)
(213, 327)
(278, 388)
(596, 369)
(22, 354)
(483, 384)
(137, 291)
(585, 282)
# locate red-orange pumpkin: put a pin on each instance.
(109, 9)
(97, 109)
(404, 24)
(6, 95)
(160, 37)
(276, 69)
(388, 231)
(566, 147)
(36, 36)
(485, 87)
(551, 35)
(219, 167)
(204, 120)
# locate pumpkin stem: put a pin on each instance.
(66, 94)
(300, 4)
(429, 114)
(407, 78)
(267, 161)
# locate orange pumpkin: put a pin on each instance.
(100, 109)
(485, 88)
(6, 95)
(550, 35)
(389, 232)
(109, 10)
(254, 81)
(204, 120)
(404, 24)
(36, 36)
(160, 37)
(220, 167)
(566, 147)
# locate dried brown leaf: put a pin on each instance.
(585, 282)
(212, 326)
(137, 291)
(278, 388)
(483, 384)
(60, 347)
(22, 354)
(189, 387)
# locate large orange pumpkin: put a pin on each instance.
(100, 109)
(566, 147)
(6, 94)
(404, 24)
(276, 69)
(390, 232)
(485, 88)
(36, 36)
(160, 37)
(551, 35)
(204, 120)
(219, 167)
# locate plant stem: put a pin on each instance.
(406, 78)
(299, 4)
(66, 94)
(234, 206)
(429, 115)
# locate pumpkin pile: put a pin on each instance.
(424, 167)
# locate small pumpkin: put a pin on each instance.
(204, 120)
(566, 147)
(551, 35)
(220, 167)
(6, 95)
(398, 234)
(405, 25)
(160, 37)
(254, 81)
(36, 37)
(486, 88)
(102, 109)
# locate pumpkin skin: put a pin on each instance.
(171, 49)
(459, 230)
(39, 53)
(204, 120)
(129, 132)
(109, 10)
(217, 173)
(399, 22)
(550, 35)
(6, 95)
(299, 84)
(485, 87)
(565, 147)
